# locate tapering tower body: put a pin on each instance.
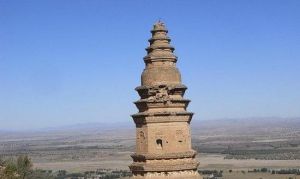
(163, 138)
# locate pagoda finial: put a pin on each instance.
(159, 26)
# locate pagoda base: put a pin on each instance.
(169, 175)
(176, 168)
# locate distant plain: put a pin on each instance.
(238, 144)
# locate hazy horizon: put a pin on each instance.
(129, 123)
(74, 62)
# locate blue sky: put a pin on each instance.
(65, 62)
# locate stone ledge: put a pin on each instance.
(149, 59)
(161, 101)
(139, 167)
(145, 87)
(150, 114)
(179, 155)
(142, 119)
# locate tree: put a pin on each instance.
(1, 171)
(9, 170)
(15, 169)
(24, 166)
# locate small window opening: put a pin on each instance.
(159, 144)
(180, 141)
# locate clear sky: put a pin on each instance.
(65, 62)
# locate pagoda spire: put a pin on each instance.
(160, 60)
(160, 48)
